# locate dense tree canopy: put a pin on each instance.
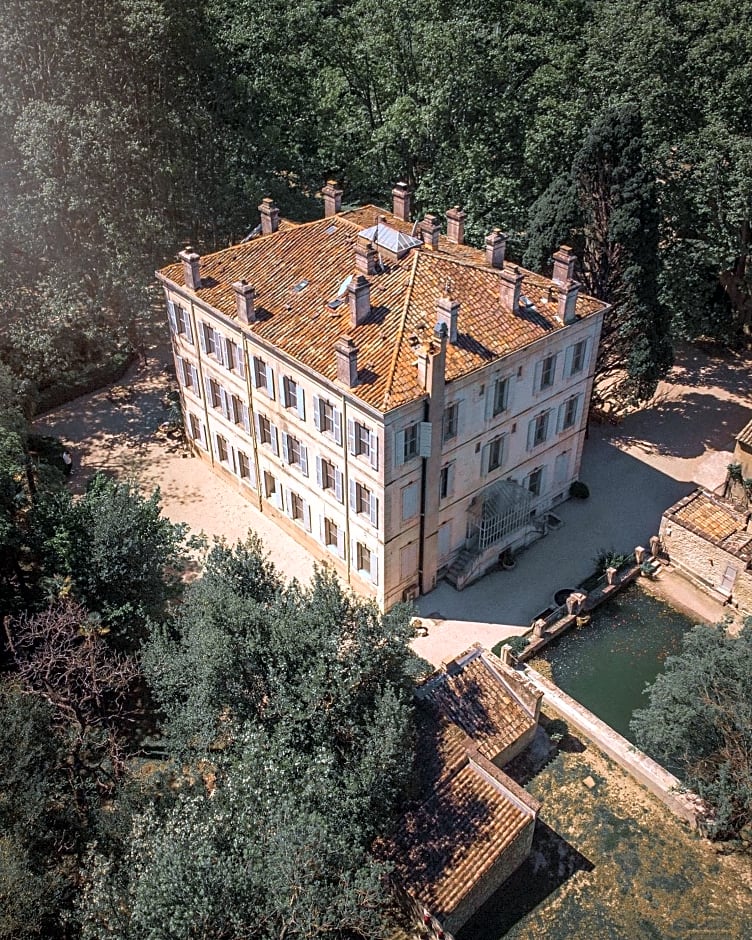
(700, 720)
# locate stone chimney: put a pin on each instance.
(332, 198)
(347, 361)
(269, 216)
(366, 257)
(564, 260)
(401, 202)
(432, 360)
(430, 230)
(496, 246)
(510, 282)
(568, 301)
(191, 263)
(456, 225)
(447, 313)
(359, 297)
(245, 296)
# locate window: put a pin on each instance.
(197, 429)
(294, 452)
(270, 485)
(366, 561)
(568, 412)
(297, 507)
(409, 501)
(575, 358)
(537, 430)
(244, 467)
(267, 433)
(446, 481)
(222, 451)
(292, 395)
(188, 375)
(239, 413)
(561, 467)
(333, 536)
(327, 418)
(364, 502)
(180, 321)
(445, 539)
(409, 562)
(451, 413)
(235, 358)
(495, 453)
(410, 447)
(535, 481)
(545, 373)
(329, 477)
(362, 442)
(208, 339)
(263, 377)
(501, 396)
(214, 397)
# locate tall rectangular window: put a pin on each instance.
(569, 416)
(537, 430)
(264, 429)
(327, 418)
(449, 430)
(548, 371)
(578, 357)
(501, 396)
(222, 451)
(363, 558)
(209, 341)
(244, 466)
(535, 480)
(495, 453)
(410, 448)
(446, 480)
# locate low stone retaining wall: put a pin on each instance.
(644, 769)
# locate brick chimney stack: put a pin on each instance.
(510, 281)
(430, 229)
(191, 264)
(564, 260)
(332, 198)
(245, 296)
(496, 246)
(269, 216)
(359, 297)
(568, 301)
(447, 313)
(456, 225)
(366, 257)
(401, 207)
(347, 361)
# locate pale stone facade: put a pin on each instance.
(387, 489)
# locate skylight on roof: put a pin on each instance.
(383, 236)
(336, 302)
(301, 285)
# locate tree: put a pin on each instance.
(114, 550)
(700, 720)
(606, 206)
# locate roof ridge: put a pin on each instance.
(401, 331)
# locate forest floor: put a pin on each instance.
(609, 861)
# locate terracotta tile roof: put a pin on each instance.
(478, 696)
(714, 519)
(745, 435)
(445, 844)
(403, 299)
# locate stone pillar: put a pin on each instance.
(505, 655)
(539, 627)
(611, 575)
(639, 554)
(655, 545)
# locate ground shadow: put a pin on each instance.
(552, 862)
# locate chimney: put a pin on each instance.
(510, 282)
(245, 296)
(359, 296)
(401, 202)
(496, 246)
(568, 301)
(456, 225)
(191, 273)
(447, 313)
(269, 216)
(366, 257)
(430, 231)
(346, 353)
(432, 361)
(332, 198)
(564, 260)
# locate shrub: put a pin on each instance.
(579, 490)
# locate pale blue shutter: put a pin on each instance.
(373, 506)
(568, 361)
(239, 360)
(195, 384)
(351, 435)
(425, 437)
(484, 457)
(172, 317)
(531, 434)
(319, 474)
(561, 414)
(338, 484)
(257, 423)
(538, 376)
(301, 403)
(255, 369)
(399, 448)
(340, 541)
(186, 317)
(317, 412)
(353, 496)
(374, 447)
(304, 459)
(306, 516)
(219, 350)
(337, 419)
(207, 385)
(285, 447)
(322, 530)
(374, 568)
(202, 337)
(246, 418)
(275, 441)
(270, 381)
(180, 369)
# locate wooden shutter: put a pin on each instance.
(172, 317)
(306, 516)
(304, 459)
(285, 447)
(484, 458)
(399, 448)
(180, 369)
(270, 381)
(340, 541)
(207, 385)
(538, 376)
(301, 403)
(425, 437)
(373, 506)
(568, 361)
(561, 415)
(374, 446)
(353, 496)
(202, 336)
(239, 360)
(531, 434)
(219, 348)
(246, 418)
(337, 420)
(317, 412)
(319, 474)
(445, 539)
(322, 530)
(374, 567)
(351, 436)
(409, 501)
(275, 441)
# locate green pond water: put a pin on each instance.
(607, 664)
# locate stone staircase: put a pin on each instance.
(459, 567)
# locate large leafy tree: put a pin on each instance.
(700, 720)
(606, 207)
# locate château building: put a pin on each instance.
(407, 406)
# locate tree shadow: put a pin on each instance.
(551, 863)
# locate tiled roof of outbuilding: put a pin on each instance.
(403, 300)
